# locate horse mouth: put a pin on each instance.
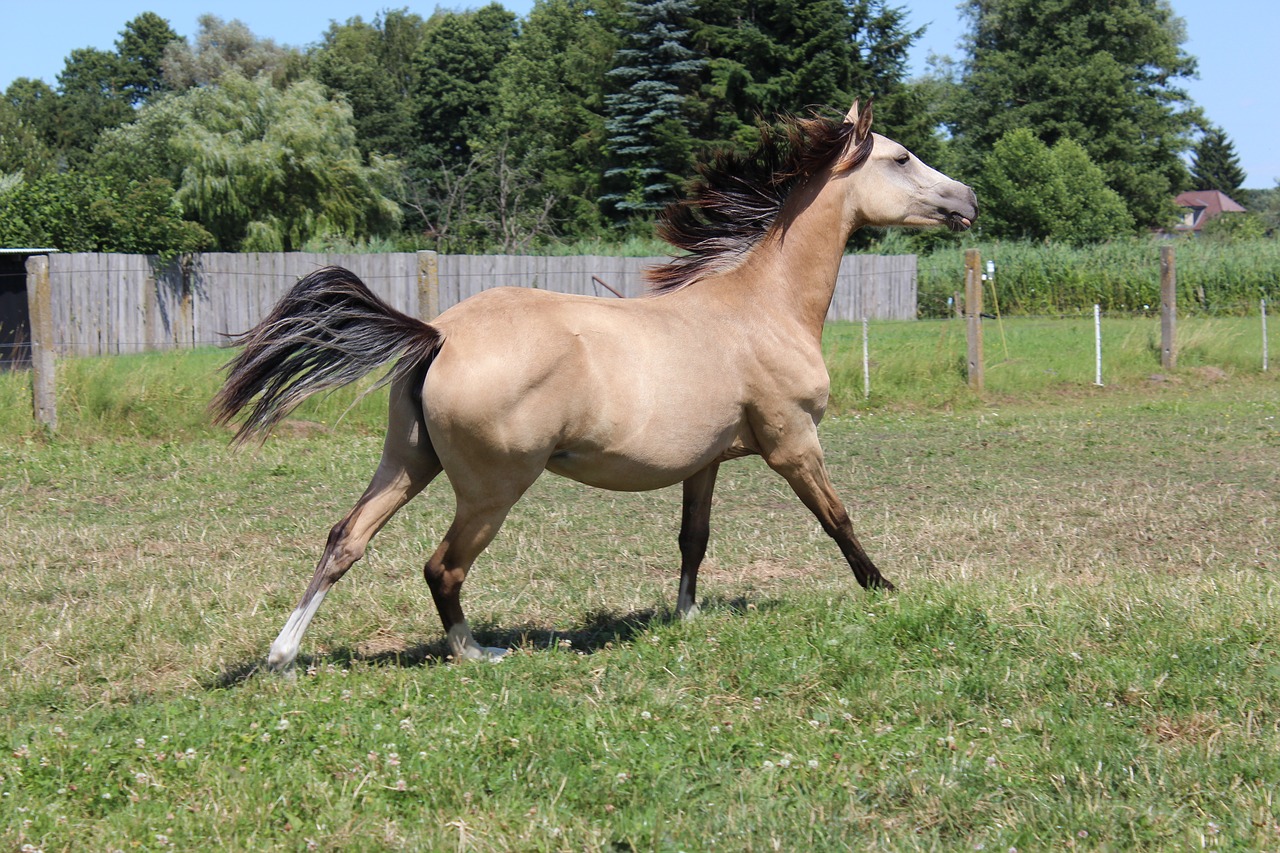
(957, 221)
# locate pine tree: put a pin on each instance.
(648, 131)
(1215, 164)
(766, 57)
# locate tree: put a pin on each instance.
(223, 47)
(648, 125)
(1102, 74)
(1215, 164)
(457, 84)
(91, 98)
(141, 49)
(1032, 191)
(1233, 226)
(373, 66)
(262, 169)
(1267, 204)
(766, 57)
(23, 148)
(97, 90)
(78, 212)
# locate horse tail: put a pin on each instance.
(326, 332)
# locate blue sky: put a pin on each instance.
(1234, 41)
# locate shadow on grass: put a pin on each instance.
(601, 630)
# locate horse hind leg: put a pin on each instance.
(408, 464)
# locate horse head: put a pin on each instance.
(890, 186)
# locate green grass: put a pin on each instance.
(925, 363)
(913, 364)
(1083, 652)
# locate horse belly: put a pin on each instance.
(645, 460)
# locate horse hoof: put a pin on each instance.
(280, 663)
(488, 654)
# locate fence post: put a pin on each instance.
(866, 362)
(40, 310)
(1168, 308)
(1263, 305)
(973, 316)
(428, 285)
(1097, 344)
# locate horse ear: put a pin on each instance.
(859, 146)
(862, 120)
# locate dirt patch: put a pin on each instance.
(1196, 728)
(757, 573)
(383, 642)
(292, 428)
(1209, 373)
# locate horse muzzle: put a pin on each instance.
(961, 212)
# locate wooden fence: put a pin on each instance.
(103, 304)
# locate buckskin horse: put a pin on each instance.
(721, 359)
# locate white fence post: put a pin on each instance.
(1264, 335)
(866, 362)
(1097, 338)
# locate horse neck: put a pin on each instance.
(796, 265)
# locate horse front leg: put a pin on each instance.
(486, 490)
(695, 531)
(802, 466)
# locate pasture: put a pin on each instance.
(1084, 652)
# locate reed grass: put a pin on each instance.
(1214, 277)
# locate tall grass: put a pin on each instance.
(1214, 277)
(913, 365)
(164, 395)
(924, 364)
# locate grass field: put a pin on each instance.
(1084, 652)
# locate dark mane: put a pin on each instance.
(735, 199)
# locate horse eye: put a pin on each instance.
(902, 159)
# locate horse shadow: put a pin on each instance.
(600, 630)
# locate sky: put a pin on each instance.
(1234, 41)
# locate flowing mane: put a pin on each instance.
(735, 199)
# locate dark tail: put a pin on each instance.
(326, 332)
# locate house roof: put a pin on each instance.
(1212, 202)
(1203, 205)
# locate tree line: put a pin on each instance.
(479, 130)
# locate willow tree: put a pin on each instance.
(261, 168)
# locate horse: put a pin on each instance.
(720, 359)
